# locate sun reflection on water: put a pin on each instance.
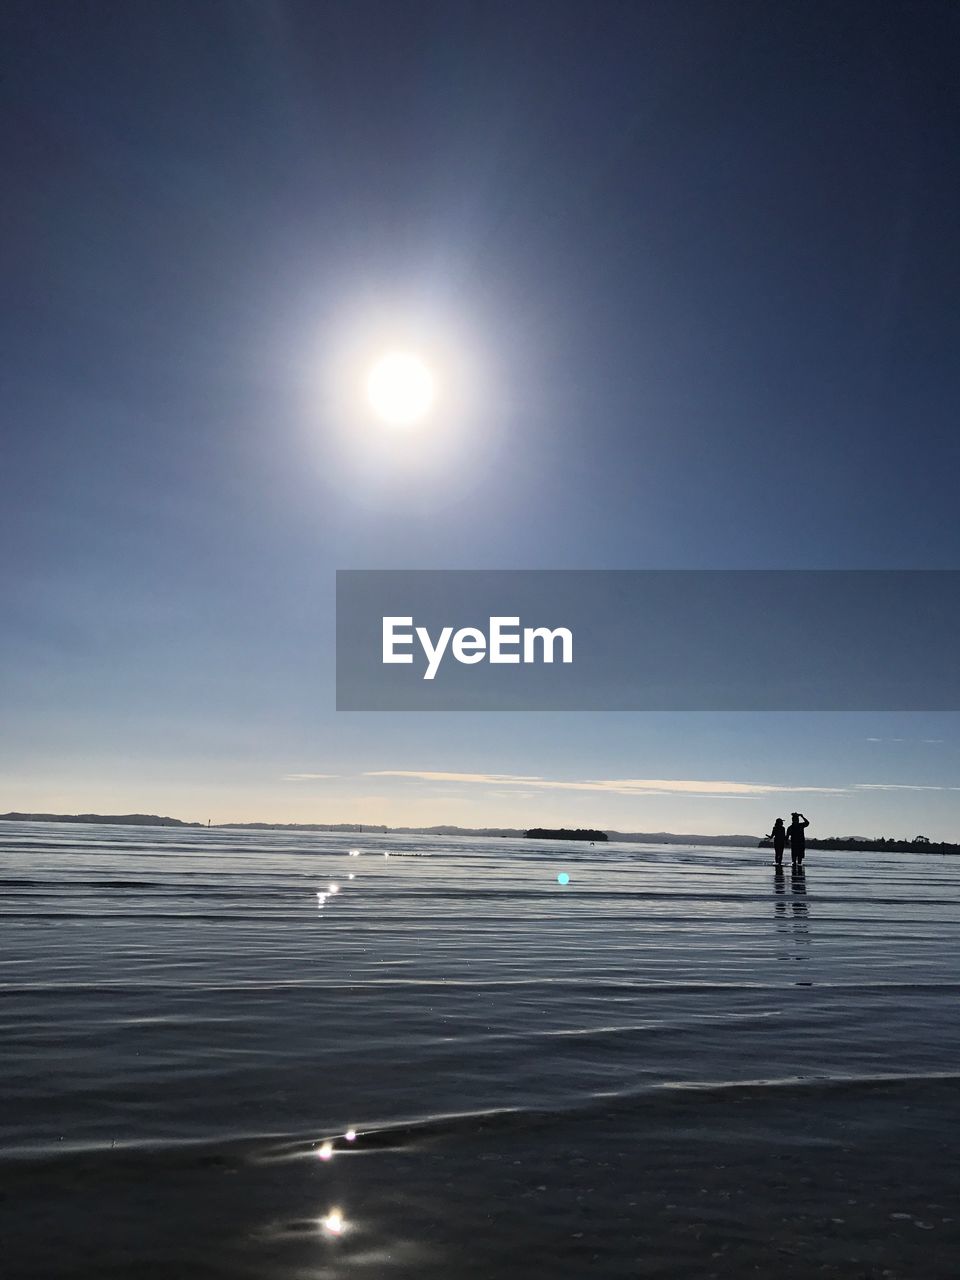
(334, 1222)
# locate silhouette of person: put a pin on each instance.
(798, 840)
(779, 838)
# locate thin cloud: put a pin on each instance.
(927, 742)
(307, 777)
(694, 788)
(439, 775)
(903, 786)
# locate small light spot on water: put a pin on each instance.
(334, 1222)
(563, 878)
(334, 888)
(351, 1135)
(326, 1151)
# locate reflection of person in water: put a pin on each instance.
(798, 840)
(779, 838)
(792, 917)
(798, 885)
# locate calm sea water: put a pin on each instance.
(679, 1064)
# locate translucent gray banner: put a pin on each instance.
(648, 640)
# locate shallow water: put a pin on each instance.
(679, 1064)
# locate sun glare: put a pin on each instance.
(401, 389)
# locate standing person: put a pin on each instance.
(779, 837)
(798, 840)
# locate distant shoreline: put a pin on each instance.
(863, 844)
(356, 828)
(566, 833)
(101, 819)
(866, 844)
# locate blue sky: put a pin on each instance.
(688, 272)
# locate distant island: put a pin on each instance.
(107, 819)
(561, 833)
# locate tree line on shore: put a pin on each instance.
(877, 844)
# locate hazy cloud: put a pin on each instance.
(617, 786)
(903, 786)
(924, 741)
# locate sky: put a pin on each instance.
(687, 274)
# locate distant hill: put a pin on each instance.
(516, 833)
(107, 819)
(351, 828)
(447, 830)
(561, 833)
(507, 833)
(670, 837)
(865, 843)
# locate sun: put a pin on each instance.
(401, 388)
